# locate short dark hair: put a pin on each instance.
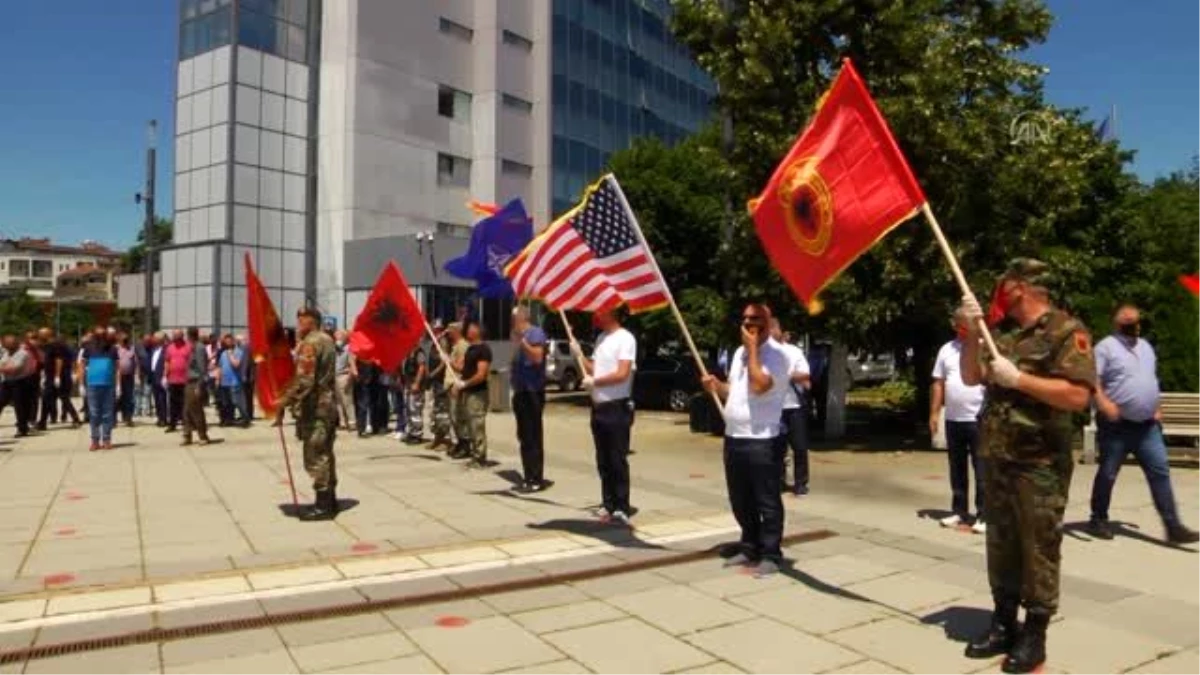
(310, 312)
(193, 333)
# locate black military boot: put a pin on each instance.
(324, 507)
(1030, 651)
(1000, 635)
(461, 450)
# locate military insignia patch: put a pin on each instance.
(1083, 343)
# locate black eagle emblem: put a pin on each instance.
(386, 313)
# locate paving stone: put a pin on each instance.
(621, 584)
(1187, 661)
(930, 549)
(17, 639)
(293, 577)
(568, 616)
(276, 661)
(843, 569)
(534, 598)
(407, 664)
(463, 556)
(1163, 619)
(130, 659)
(912, 647)
(907, 591)
(552, 668)
(86, 630)
(497, 643)
(161, 571)
(764, 646)
(497, 576)
(811, 611)
(679, 609)
(425, 615)
(383, 565)
(221, 646)
(691, 572)
(715, 668)
(1083, 646)
(299, 602)
(200, 589)
(346, 652)
(197, 616)
(539, 546)
(867, 667)
(408, 588)
(735, 581)
(643, 648)
(301, 633)
(896, 558)
(22, 609)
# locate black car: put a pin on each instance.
(665, 382)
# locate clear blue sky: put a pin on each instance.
(81, 77)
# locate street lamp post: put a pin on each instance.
(148, 233)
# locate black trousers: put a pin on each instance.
(175, 393)
(752, 468)
(50, 397)
(611, 424)
(22, 396)
(161, 410)
(794, 435)
(66, 407)
(125, 400)
(528, 407)
(962, 442)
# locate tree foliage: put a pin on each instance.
(952, 80)
(132, 260)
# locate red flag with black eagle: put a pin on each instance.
(391, 323)
(269, 345)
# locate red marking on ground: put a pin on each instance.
(746, 571)
(65, 531)
(364, 547)
(695, 475)
(58, 579)
(452, 621)
(964, 528)
(75, 496)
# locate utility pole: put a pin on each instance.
(148, 231)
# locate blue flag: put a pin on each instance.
(1103, 132)
(494, 241)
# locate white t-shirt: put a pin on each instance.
(799, 366)
(962, 402)
(750, 415)
(613, 348)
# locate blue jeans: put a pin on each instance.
(102, 403)
(1145, 440)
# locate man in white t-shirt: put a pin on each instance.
(794, 432)
(962, 404)
(609, 375)
(758, 377)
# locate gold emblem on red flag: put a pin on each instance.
(807, 205)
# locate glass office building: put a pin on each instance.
(618, 74)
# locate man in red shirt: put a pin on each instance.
(178, 354)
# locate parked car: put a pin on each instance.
(665, 382)
(870, 369)
(561, 367)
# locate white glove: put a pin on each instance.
(457, 387)
(1005, 373)
(588, 382)
(971, 310)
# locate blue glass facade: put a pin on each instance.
(276, 27)
(618, 74)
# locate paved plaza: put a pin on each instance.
(436, 568)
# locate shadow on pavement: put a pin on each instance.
(118, 446)
(1079, 531)
(429, 458)
(933, 514)
(961, 624)
(523, 498)
(513, 477)
(291, 510)
(617, 535)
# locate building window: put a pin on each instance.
(454, 104)
(43, 269)
(454, 171)
(516, 103)
(206, 32)
(519, 41)
(455, 29)
(454, 230)
(20, 268)
(515, 168)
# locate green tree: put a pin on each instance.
(950, 78)
(161, 233)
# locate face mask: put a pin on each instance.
(961, 332)
(1002, 304)
(1132, 330)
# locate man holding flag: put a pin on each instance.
(312, 396)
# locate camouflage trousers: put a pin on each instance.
(317, 435)
(1024, 504)
(473, 407)
(441, 411)
(415, 401)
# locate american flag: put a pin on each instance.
(591, 258)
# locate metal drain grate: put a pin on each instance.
(155, 635)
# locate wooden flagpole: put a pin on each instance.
(687, 335)
(438, 346)
(287, 461)
(958, 274)
(571, 337)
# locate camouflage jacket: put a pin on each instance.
(310, 394)
(1016, 427)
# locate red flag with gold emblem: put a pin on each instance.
(391, 323)
(843, 185)
(269, 345)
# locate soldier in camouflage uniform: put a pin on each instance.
(439, 385)
(312, 397)
(1045, 376)
(458, 408)
(414, 395)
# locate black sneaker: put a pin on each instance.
(542, 486)
(1178, 534)
(1100, 529)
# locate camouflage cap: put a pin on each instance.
(1032, 271)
